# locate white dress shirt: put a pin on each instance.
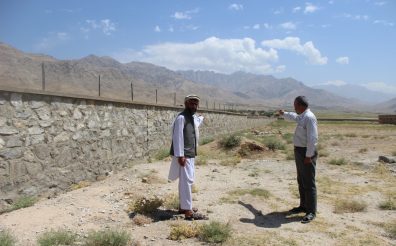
(306, 133)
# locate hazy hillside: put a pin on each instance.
(387, 107)
(356, 92)
(81, 76)
(270, 89)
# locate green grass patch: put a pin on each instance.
(349, 206)
(60, 237)
(288, 137)
(162, 154)
(388, 204)
(22, 202)
(215, 232)
(206, 140)
(7, 239)
(233, 196)
(201, 160)
(107, 238)
(338, 162)
(229, 142)
(273, 143)
(390, 228)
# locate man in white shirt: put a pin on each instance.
(305, 153)
(185, 137)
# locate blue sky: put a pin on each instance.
(316, 42)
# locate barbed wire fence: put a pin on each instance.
(129, 90)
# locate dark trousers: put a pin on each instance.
(306, 179)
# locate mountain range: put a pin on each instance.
(81, 76)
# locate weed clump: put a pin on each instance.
(230, 142)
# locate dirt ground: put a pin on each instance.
(254, 220)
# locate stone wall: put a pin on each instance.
(50, 141)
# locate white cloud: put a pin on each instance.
(256, 26)
(52, 40)
(157, 29)
(105, 25)
(335, 82)
(186, 15)
(381, 87)
(170, 29)
(343, 60)
(331, 2)
(384, 22)
(215, 54)
(296, 9)
(235, 6)
(382, 3)
(310, 8)
(278, 11)
(293, 43)
(267, 26)
(288, 25)
(357, 17)
(181, 16)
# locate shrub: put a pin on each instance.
(391, 229)
(338, 162)
(388, 204)
(146, 205)
(107, 238)
(229, 142)
(79, 185)
(290, 155)
(215, 232)
(162, 154)
(351, 135)
(7, 239)
(140, 220)
(23, 202)
(206, 140)
(183, 230)
(232, 161)
(273, 143)
(349, 206)
(60, 237)
(363, 150)
(171, 201)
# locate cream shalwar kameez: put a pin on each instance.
(186, 173)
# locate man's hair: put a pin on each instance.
(302, 100)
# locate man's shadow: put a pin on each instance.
(270, 220)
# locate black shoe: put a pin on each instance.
(297, 210)
(308, 218)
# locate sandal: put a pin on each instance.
(183, 211)
(196, 216)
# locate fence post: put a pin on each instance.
(99, 84)
(156, 96)
(207, 106)
(214, 105)
(132, 91)
(174, 99)
(43, 76)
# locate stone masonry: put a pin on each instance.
(49, 142)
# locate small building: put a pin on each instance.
(387, 119)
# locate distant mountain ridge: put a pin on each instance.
(356, 92)
(23, 70)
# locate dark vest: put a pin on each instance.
(190, 144)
